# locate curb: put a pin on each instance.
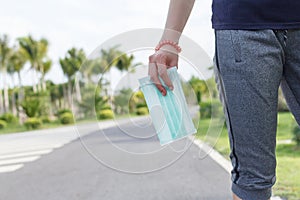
(215, 155)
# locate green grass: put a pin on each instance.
(217, 137)
(19, 128)
(286, 124)
(12, 129)
(288, 155)
(288, 174)
(55, 124)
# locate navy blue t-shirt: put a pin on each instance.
(256, 14)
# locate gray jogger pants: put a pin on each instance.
(250, 65)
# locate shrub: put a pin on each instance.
(66, 118)
(45, 119)
(33, 123)
(9, 118)
(105, 114)
(206, 109)
(141, 105)
(106, 106)
(3, 124)
(296, 133)
(31, 106)
(142, 111)
(63, 111)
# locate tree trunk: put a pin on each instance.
(42, 80)
(1, 100)
(13, 101)
(1, 103)
(20, 92)
(36, 78)
(60, 105)
(65, 99)
(33, 81)
(6, 98)
(78, 92)
(13, 96)
(44, 88)
(39, 89)
(70, 93)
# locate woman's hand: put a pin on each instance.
(167, 56)
(159, 62)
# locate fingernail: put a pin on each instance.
(171, 87)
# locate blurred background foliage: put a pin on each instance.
(85, 94)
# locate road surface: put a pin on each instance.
(123, 162)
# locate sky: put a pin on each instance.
(90, 23)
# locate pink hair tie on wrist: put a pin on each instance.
(168, 42)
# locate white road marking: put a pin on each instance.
(19, 160)
(17, 149)
(284, 141)
(32, 147)
(24, 154)
(10, 168)
(276, 198)
(216, 156)
(20, 148)
(13, 158)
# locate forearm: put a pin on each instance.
(179, 12)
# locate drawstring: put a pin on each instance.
(285, 32)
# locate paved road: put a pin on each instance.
(91, 168)
(20, 148)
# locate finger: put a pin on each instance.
(162, 71)
(174, 62)
(153, 73)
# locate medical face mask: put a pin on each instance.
(169, 114)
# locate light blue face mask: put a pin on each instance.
(169, 114)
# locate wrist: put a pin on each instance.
(171, 35)
(168, 43)
(169, 49)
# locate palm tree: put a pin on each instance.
(70, 65)
(11, 71)
(5, 52)
(17, 62)
(56, 94)
(92, 68)
(109, 57)
(199, 87)
(125, 63)
(35, 52)
(44, 68)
